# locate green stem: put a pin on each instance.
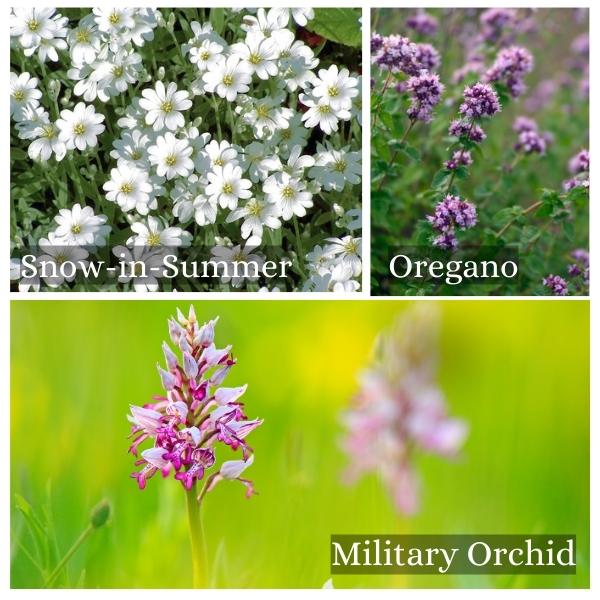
(299, 248)
(216, 106)
(196, 538)
(84, 534)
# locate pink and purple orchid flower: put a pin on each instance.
(401, 410)
(195, 415)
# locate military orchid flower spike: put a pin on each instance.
(196, 416)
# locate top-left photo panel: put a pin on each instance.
(185, 149)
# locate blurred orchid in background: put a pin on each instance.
(400, 409)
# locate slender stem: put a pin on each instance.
(408, 130)
(462, 151)
(298, 238)
(216, 106)
(525, 212)
(196, 538)
(59, 567)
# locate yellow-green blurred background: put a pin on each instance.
(517, 371)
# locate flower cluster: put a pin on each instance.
(235, 145)
(510, 67)
(197, 417)
(479, 100)
(423, 23)
(556, 284)
(495, 22)
(530, 140)
(426, 91)
(401, 410)
(578, 275)
(450, 214)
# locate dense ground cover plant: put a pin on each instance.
(221, 135)
(480, 137)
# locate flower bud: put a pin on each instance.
(54, 88)
(160, 73)
(100, 514)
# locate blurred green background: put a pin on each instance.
(517, 371)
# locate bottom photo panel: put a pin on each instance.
(300, 444)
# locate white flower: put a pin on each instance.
(81, 226)
(135, 116)
(202, 33)
(171, 156)
(130, 189)
(336, 87)
(301, 15)
(226, 186)
(255, 213)
(228, 78)
(23, 94)
(131, 149)
(319, 259)
(146, 21)
(350, 219)
(114, 75)
(289, 194)
(47, 47)
(221, 154)
(140, 265)
(32, 119)
(296, 163)
(348, 251)
(114, 20)
(206, 56)
(84, 41)
(163, 106)
(267, 116)
(333, 168)
(320, 113)
(32, 25)
(46, 143)
(258, 54)
(190, 201)
(57, 252)
(265, 23)
(25, 283)
(80, 127)
(85, 86)
(295, 135)
(153, 234)
(296, 60)
(227, 257)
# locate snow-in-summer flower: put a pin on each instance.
(400, 409)
(237, 135)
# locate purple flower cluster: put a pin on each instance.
(376, 43)
(450, 214)
(495, 21)
(196, 414)
(510, 67)
(531, 142)
(480, 100)
(425, 90)
(466, 129)
(423, 23)
(522, 124)
(556, 284)
(396, 53)
(427, 57)
(459, 158)
(579, 166)
(581, 266)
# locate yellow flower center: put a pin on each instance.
(154, 239)
(33, 25)
(333, 91)
(262, 111)
(118, 71)
(60, 258)
(227, 188)
(114, 18)
(239, 257)
(254, 58)
(126, 188)
(19, 95)
(253, 208)
(340, 166)
(166, 106)
(287, 192)
(48, 131)
(204, 55)
(286, 134)
(218, 162)
(351, 247)
(227, 79)
(79, 129)
(324, 109)
(171, 160)
(75, 228)
(135, 155)
(82, 36)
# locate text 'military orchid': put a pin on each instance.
(401, 410)
(196, 415)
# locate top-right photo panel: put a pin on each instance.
(479, 157)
